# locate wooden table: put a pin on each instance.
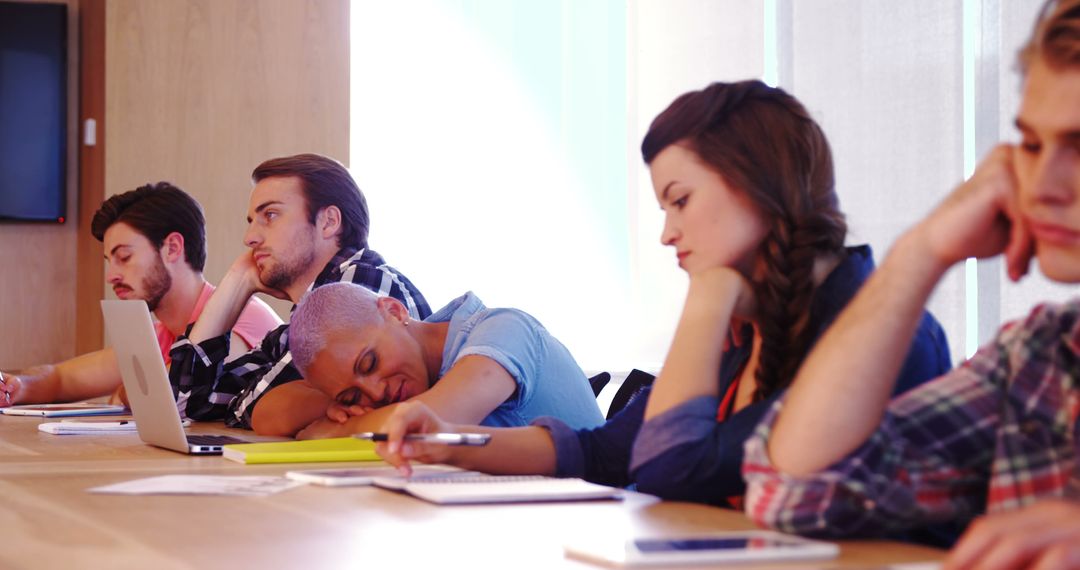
(50, 521)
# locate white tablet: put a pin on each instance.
(742, 546)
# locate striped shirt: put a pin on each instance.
(208, 388)
(997, 434)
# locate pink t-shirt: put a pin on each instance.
(255, 321)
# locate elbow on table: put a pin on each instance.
(271, 424)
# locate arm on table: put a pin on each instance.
(466, 394)
(86, 376)
(286, 409)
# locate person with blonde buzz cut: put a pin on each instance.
(470, 363)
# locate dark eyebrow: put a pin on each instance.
(664, 192)
(1026, 129)
(263, 206)
(113, 250)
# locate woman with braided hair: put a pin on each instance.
(745, 179)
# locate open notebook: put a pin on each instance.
(473, 488)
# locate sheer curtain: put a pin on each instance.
(884, 80)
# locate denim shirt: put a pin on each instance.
(548, 380)
(684, 453)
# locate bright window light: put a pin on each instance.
(489, 138)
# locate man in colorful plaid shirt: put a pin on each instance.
(307, 226)
(999, 434)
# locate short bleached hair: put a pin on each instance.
(324, 310)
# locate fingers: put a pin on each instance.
(394, 459)
(1041, 535)
(1020, 249)
(341, 414)
(336, 413)
(1059, 557)
(971, 547)
(409, 417)
(990, 548)
(8, 386)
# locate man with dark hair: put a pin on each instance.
(307, 226)
(998, 435)
(155, 245)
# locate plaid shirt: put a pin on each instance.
(996, 434)
(208, 388)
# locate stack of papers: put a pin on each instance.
(242, 485)
(474, 488)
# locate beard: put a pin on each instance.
(156, 284)
(283, 274)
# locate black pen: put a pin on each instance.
(444, 438)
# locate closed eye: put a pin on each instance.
(365, 364)
(349, 397)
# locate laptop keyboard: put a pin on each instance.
(213, 440)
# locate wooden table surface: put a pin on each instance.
(48, 520)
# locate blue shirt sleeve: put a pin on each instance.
(512, 339)
(601, 454)
(685, 455)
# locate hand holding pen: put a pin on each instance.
(8, 384)
(445, 438)
(411, 432)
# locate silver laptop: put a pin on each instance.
(147, 383)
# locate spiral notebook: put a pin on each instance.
(477, 488)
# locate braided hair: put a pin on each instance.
(763, 143)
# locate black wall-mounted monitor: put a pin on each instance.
(33, 111)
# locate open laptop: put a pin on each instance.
(147, 383)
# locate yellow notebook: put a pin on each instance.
(308, 451)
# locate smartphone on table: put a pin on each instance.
(705, 548)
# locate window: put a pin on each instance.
(497, 142)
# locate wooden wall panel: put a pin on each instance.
(38, 265)
(196, 92)
(89, 325)
(200, 91)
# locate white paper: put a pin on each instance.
(234, 485)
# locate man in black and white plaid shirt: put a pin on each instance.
(307, 226)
